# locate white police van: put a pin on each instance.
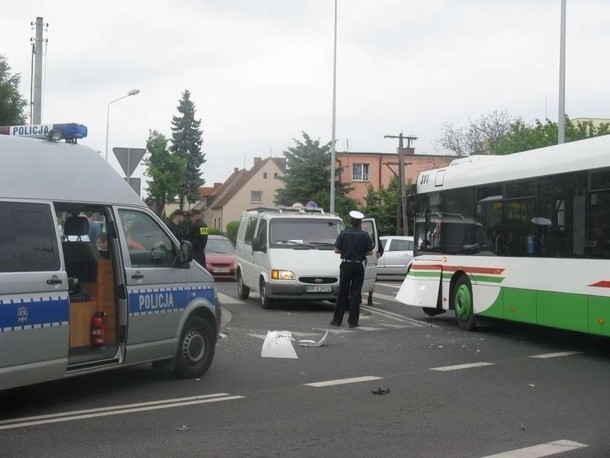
(90, 278)
(287, 254)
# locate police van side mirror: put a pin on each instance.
(186, 252)
(258, 244)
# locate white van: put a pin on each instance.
(288, 254)
(71, 305)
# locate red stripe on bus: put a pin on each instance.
(426, 267)
(602, 284)
(475, 270)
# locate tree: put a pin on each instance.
(308, 176)
(12, 105)
(480, 137)
(522, 137)
(166, 170)
(186, 144)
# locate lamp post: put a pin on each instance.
(129, 94)
(332, 145)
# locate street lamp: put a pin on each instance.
(129, 94)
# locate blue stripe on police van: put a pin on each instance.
(156, 301)
(26, 313)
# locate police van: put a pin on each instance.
(287, 254)
(90, 278)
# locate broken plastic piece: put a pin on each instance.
(278, 344)
(381, 391)
(313, 343)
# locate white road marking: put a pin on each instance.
(344, 381)
(225, 299)
(556, 355)
(398, 317)
(535, 451)
(461, 366)
(114, 410)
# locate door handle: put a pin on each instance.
(54, 280)
(137, 276)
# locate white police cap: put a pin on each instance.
(356, 214)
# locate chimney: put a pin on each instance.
(236, 169)
(217, 185)
(257, 161)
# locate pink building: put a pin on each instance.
(361, 170)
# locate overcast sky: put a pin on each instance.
(260, 71)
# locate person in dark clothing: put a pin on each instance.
(198, 236)
(175, 225)
(354, 245)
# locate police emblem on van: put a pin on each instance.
(22, 314)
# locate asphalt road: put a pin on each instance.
(403, 384)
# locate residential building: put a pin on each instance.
(362, 170)
(243, 189)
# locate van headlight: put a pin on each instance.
(282, 275)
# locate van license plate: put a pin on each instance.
(318, 289)
(220, 270)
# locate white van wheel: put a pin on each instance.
(243, 292)
(264, 291)
(195, 348)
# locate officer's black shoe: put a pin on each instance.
(334, 323)
(354, 325)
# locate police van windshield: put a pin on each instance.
(301, 233)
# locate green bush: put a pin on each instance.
(231, 231)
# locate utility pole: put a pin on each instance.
(36, 100)
(401, 210)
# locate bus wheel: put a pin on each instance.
(243, 292)
(266, 303)
(463, 304)
(432, 311)
(195, 348)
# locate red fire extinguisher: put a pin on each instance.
(98, 328)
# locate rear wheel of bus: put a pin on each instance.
(463, 304)
(195, 348)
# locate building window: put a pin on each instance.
(274, 174)
(256, 197)
(265, 175)
(360, 172)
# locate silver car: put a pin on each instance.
(397, 253)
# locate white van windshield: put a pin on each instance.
(301, 233)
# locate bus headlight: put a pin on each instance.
(282, 275)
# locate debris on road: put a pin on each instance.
(278, 344)
(381, 391)
(313, 343)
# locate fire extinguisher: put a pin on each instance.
(98, 328)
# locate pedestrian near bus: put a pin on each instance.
(353, 245)
(198, 236)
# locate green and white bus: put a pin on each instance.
(522, 237)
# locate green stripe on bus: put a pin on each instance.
(573, 312)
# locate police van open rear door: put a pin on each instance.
(370, 273)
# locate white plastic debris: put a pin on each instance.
(313, 343)
(278, 344)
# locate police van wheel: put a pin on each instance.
(243, 292)
(195, 349)
(463, 304)
(265, 301)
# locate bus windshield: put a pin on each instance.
(451, 234)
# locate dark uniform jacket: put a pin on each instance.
(176, 230)
(198, 236)
(353, 244)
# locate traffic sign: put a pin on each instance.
(129, 158)
(135, 184)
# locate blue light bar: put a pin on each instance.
(69, 131)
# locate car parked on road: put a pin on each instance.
(397, 253)
(220, 257)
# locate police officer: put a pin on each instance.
(198, 236)
(175, 224)
(354, 245)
